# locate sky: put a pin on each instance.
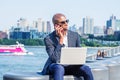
(75, 11)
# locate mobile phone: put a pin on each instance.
(58, 25)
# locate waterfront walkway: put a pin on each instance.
(107, 67)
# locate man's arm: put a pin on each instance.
(53, 52)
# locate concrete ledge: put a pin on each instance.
(34, 76)
(100, 72)
(114, 70)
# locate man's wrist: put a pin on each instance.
(61, 41)
(63, 45)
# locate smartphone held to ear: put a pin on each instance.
(58, 25)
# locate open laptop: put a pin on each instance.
(73, 55)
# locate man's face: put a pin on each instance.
(62, 22)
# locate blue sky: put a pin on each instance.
(75, 10)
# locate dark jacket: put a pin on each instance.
(53, 47)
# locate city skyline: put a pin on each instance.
(100, 11)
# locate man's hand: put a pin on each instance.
(59, 31)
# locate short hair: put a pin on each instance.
(56, 16)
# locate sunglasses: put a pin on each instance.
(63, 22)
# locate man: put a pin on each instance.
(62, 37)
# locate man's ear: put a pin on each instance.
(55, 25)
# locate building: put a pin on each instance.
(73, 28)
(34, 25)
(88, 25)
(42, 26)
(39, 25)
(19, 33)
(48, 27)
(110, 31)
(34, 34)
(98, 31)
(117, 25)
(3, 35)
(117, 35)
(113, 25)
(80, 30)
(22, 22)
(39, 29)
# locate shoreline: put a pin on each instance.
(86, 47)
(34, 46)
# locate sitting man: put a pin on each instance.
(62, 37)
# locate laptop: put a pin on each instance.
(73, 56)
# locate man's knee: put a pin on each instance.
(85, 68)
(58, 67)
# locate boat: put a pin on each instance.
(17, 49)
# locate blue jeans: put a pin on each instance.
(58, 71)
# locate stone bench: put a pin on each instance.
(99, 73)
(34, 76)
(114, 69)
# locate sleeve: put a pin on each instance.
(78, 42)
(53, 51)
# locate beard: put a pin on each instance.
(65, 29)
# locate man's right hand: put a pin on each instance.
(59, 31)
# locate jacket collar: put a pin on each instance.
(68, 36)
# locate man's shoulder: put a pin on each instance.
(52, 34)
(72, 32)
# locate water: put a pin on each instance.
(26, 63)
(23, 63)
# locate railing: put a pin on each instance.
(107, 67)
(109, 52)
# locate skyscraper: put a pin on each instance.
(48, 27)
(44, 26)
(39, 25)
(34, 24)
(113, 25)
(111, 22)
(88, 25)
(117, 25)
(22, 22)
